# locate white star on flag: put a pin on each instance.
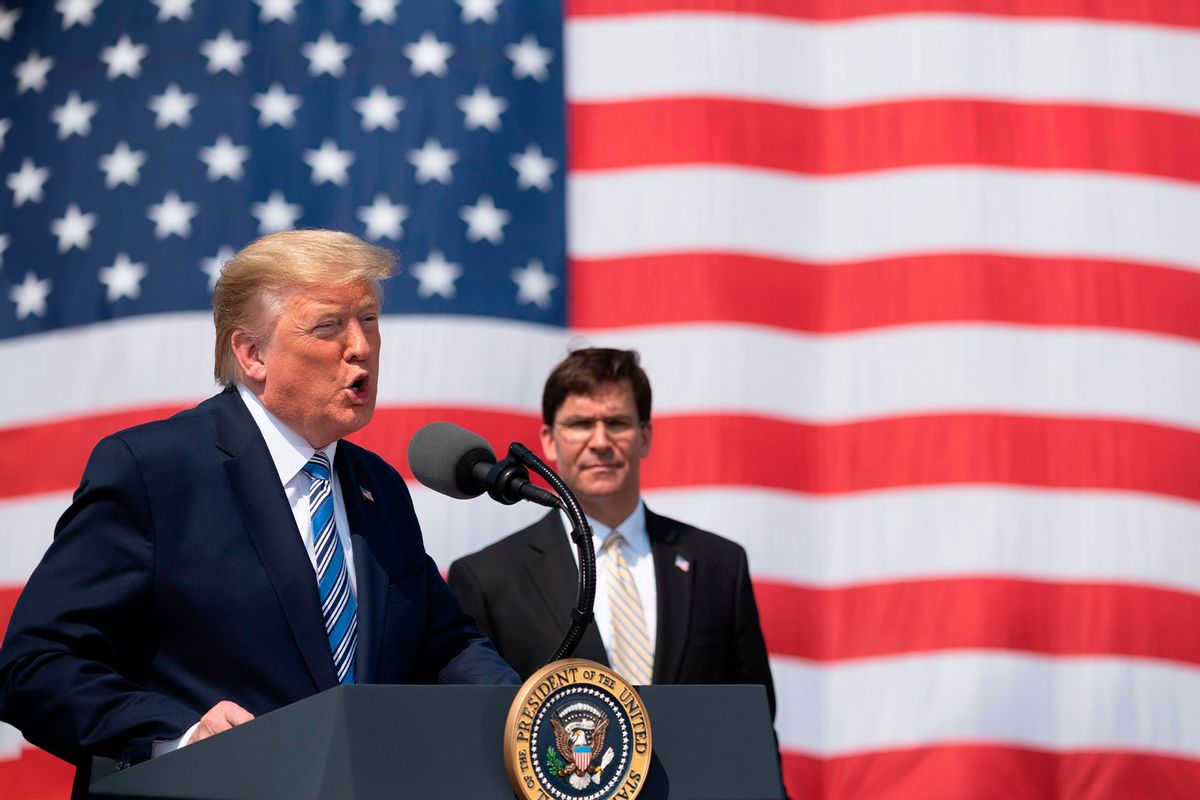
(326, 56)
(224, 53)
(433, 162)
(8, 22)
(383, 219)
(173, 9)
(123, 278)
(212, 266)
(475, 10)
(122, 165)
(533, 168)
(31, 73)
(74, 117)
(224, 159)
(276, 214)
(484, 220)
(4, 242)
(282, 10)
(172, 217)
(377, 11)
(529, 59)
(73, 229)
(428, 55)
(436, 276)
(30, 296)
(5, 127)
(534, 284)
(27, 182)
(76, 12)
(379, 109)
(329, 164)
(172, 107)
(482, 109)
(124, 58)
(276, 107)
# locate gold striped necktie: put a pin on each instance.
(631, 650)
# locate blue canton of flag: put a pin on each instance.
(142, 143)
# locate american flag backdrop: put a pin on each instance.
(915, 282)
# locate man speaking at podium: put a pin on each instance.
(240, 556)
(674, 603)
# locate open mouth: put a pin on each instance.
(358, 389)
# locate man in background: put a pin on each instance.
(240, 556)
(674, 604)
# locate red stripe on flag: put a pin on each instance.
(36, 775)
(50, 457)
(723, 450)
(708, 450)
(924, 450)
(830, 141)
(981, 770)
(944, 287)
(1162, 12)
(994, 613)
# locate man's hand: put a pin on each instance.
(221, 717)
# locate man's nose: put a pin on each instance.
(600, 438)
(358, 346)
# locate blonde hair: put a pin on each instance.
(249, 293)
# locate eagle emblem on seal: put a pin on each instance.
(581, 742)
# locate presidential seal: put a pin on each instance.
(577, 731)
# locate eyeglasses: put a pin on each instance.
(580, 430)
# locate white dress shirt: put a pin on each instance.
(290, 453)
(641, 564)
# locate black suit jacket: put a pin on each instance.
(521, 589)
(177, 578)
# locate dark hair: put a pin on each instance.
(588, 371)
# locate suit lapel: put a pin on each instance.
(550, 566)
(371, 579)
(253, 482)
(674, 587)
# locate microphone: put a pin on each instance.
(461, 464)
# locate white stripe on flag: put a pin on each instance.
(881, 58)
(873, 215)
(696, 369)
(897, 535)
(982, 696)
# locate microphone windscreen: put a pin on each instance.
(441, 456)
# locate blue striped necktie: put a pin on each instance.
(333, 576)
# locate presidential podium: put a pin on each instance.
(398, 742)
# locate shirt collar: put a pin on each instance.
(633, 528)
(289, 450)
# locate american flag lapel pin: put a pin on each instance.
(682, 564)
(366, 493)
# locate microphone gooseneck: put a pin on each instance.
(581, 534)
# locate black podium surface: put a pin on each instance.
(397, 742)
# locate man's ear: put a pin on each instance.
(249, 355)
(645, 436)
(549, 452)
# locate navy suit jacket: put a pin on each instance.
(177, 579)
(521, 589)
